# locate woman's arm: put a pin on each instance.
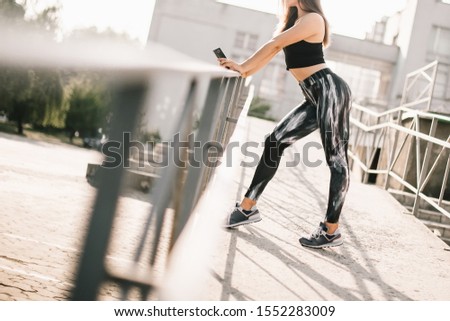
(258, 60)
(308, 26)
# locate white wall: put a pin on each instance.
(199, 26)
(415, 30)
(196, 27)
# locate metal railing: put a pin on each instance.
(135, 75)
(178, 188)
(419, 87)
(386, 144)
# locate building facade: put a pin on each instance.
(375, 68)
(422, 33)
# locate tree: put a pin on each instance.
(15, 95)
(11, 12)
(88, 110)
(28, 95)
(259, 109)
(47, 99)
(47, 20)
(32, 96)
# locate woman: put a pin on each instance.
(303, 33)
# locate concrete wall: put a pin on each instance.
(406, 165)
(414, 27)
(197, 27)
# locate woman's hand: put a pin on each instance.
(230, 64)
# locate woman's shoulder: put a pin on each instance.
(311, 20)
(311, 16)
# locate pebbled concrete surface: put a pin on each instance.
(387, 255)
(46, 203)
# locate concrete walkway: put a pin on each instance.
(387, 254)
(46, 204)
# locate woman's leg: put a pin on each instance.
(333, 103)
(334, 107)
(300, 122)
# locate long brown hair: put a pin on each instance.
(290, 16)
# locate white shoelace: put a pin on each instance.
(317, 233)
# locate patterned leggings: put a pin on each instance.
(327, 106)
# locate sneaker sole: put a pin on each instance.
(324, 246)
(244, 223)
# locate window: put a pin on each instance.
(442, 84)
(273, 82)
(252, 42)
(239, 41)
(440, 41)
(246, 41)
(364, 82)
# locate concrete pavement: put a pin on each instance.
(387, 255)
(46, 203)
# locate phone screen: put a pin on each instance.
(219, 53)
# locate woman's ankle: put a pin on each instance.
(332, 227)
(247, 204)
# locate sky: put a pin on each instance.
(124, 16)
(352, 18)
(348, 17)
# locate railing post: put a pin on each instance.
(394, 147)
(164, 190)
(433, 84)
(418, 156)
(195, 174)
(91, 271)
(230, 98)
(374, 151)
(444, 181)
(426, 161)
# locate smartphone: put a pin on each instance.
(219, 53)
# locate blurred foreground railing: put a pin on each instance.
(404, 148)
(142, 79)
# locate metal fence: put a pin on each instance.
(404, 146)
(177, 188)
(216, 94)
(419, 87)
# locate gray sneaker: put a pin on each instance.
(321, 239)
(238, 217)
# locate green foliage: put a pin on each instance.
(15, 94)
(47, 20)
(46, 99)
(150, 137)
(259, 109)
(30, 95)
(11, 12)
(88, 109)
(14, 88)
(50, 99)
(12, 17)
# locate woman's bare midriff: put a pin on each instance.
(302, 73)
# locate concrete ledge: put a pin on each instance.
(137, 179)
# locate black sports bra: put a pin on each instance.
(303, 54)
